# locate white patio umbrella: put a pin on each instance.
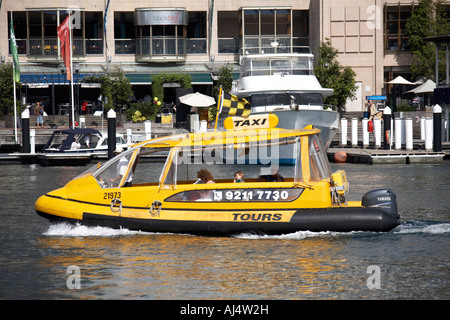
(400, 80)
(197, 99)
(427, 87)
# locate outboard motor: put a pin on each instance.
(385, 199)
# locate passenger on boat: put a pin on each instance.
(273, 177)
(87, 140)
(204, 176)
(239, 176)
(75, 144)
(122, 169)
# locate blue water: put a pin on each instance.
(410, 262)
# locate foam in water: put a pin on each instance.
(68, 230)
(431, 227)
(423, 227)
(299, 235)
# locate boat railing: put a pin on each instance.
(255, 44)
(268, 65)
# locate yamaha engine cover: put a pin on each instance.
(384, 199)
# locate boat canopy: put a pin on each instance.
(70, 135)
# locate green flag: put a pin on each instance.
(13, 45)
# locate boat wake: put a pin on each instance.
(407, 227)
(70, 230)
(420, 226)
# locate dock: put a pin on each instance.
(381, 156)
(354, 153)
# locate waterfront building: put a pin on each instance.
(145, 38)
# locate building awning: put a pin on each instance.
(35, 76)
(43, 80)
(41, 76)
(146, 78)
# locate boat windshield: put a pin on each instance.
(318, 160)
(284, 99)
(116, 171)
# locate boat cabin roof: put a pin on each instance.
(311, 158)
(227, 138)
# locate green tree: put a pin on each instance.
(225, 81)
(6, 90)
(331, 74)
(427, 20)
(115, 87)
(158, 80)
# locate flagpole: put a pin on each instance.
(71, 72)
(14, 89)
(218, 108)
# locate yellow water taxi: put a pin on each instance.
(131, 191)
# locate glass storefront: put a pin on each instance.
(37, 36)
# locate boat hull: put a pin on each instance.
(337, 219)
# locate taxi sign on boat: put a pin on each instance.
(258, 121)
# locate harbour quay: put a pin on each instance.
(352, 142)
(407, 139)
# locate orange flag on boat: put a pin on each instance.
(64, 36)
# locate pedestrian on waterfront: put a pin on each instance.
(84, 107)
(39, 113)
(371, 109)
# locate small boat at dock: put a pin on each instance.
(125, 193)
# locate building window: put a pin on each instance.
(196, 33)
(228, 31)
(271, 30)
(20, 31)
(93, 32)
(300, 24)
(395, 17)
(37, 37)
(124, 33)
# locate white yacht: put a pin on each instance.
(285, 84)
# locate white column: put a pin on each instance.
(344, 131)
(148, 129)
(398, 133)
(422, 128)
(354, 132)
(365, 132)
(377, 132)
(409, 133)
(428, 134)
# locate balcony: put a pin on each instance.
(167, 48)
(46, 49)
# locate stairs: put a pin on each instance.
(60, 122)
(92, 121)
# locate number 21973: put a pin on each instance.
(112, 195)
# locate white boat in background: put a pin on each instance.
(89, 141)
(285, 85)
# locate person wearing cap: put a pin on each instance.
(122, 169)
